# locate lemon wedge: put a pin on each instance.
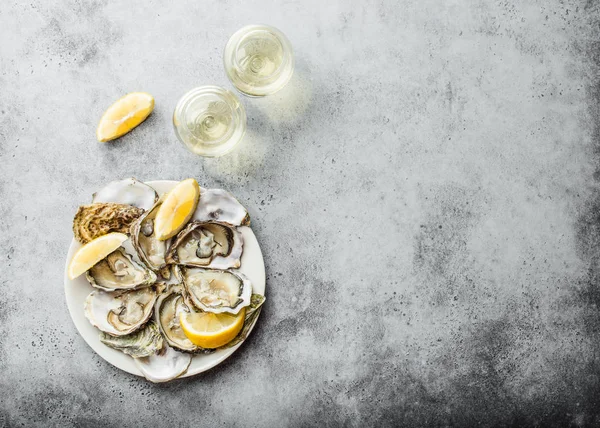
(211, 330)
(94, 251)
(124, 115)
(177, 209)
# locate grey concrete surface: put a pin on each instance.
(425, 191)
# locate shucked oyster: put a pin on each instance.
(150, 250)
(128, 191)
(217, 291)
(92, 221)
(220, 205)
(142, 343)
(121, 312)
(213, 245)
(118, 271)
(167, 309)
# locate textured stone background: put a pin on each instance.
(426, 193)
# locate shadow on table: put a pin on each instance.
(271, 120)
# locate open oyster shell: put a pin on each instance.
(128, 191)
(142, 343)
(92, 221)
(118, 271)
(220, 206)
(212, 245)
(167, 309)
(217, 291)
(164, 365)
(121, 312)
(149, 249)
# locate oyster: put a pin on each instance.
(165, 365)
(220, 205)
(142, 343)
(150, 250)
(167, 309)
(118, 271)
(92, 221)
(217, 291)
(128, 191)
(121, 312)
(212, 245)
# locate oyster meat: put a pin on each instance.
(165, 365)
(220, 206)
(167, 309)
(121, 312)
(213, 245)
(150, 250)
(128, 191)
(118, 271)
(217, 291)
(92, 221)
(142, 343)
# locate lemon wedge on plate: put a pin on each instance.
(177, 209)
(94, 251)
(124, 115)
(211, 330)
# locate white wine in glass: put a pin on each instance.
(209, 120)
(259, 60)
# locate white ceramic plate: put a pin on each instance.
(78, 289)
